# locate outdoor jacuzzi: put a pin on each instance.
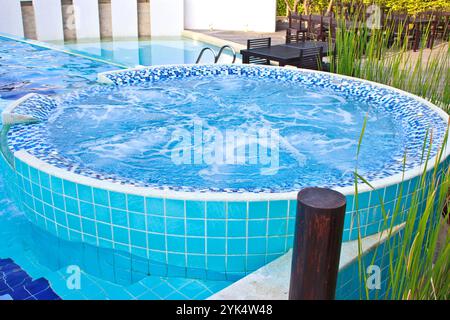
(196, 168)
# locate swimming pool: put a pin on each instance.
(146, 52)
(198, 228)
(39, 69)
(30, 67)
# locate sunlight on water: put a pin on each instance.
(133, 132)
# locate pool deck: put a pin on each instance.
(238, 40)
(241, 37)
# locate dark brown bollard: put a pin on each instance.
(317, 244)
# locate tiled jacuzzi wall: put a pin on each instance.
(213, 239)
(192, 234)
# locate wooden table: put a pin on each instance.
(284, 54)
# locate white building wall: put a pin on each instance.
(244, 15)
(86, 19)
(49, 23)
(124, 18)
(11, 17)
(167, 17)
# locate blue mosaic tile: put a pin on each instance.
(18, 285)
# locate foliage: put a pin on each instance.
(418, 263)
(378, 56)
(410, 6)
(414, 6)
(317, 6)
(415, 268)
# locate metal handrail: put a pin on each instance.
(203, 51)
(216, 56)
(221, 51)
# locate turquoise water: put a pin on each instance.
(158, 51)
(148, 133)
(25, 68)
(105, 274)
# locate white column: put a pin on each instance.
(49, 23)
(11, 18)
(124, 18)
(87, 19)
(167, 17)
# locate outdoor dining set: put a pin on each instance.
(310, 38)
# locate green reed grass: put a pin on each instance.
(378, 55)
(417, 268)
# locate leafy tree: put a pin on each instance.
(409, 6)
(290, 5)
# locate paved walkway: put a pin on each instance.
(241, 37)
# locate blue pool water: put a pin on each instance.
(132, 132)
(157, 51)
(26, 68)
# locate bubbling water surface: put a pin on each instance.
(227, 132)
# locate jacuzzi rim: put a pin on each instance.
(152, 192)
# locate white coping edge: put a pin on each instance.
(244, 196)
(212, 40)
(271, 282)
(56, 48)
(8, 115)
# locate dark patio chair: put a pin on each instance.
(316, 28)
(297, 27)
(425, 25)
(443, 25)
(432, 33)
(255, 44)
(401, 31)
(311, 58)
(329, 26)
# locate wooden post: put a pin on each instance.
(317, 244)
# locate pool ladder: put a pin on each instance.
(216, 56)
